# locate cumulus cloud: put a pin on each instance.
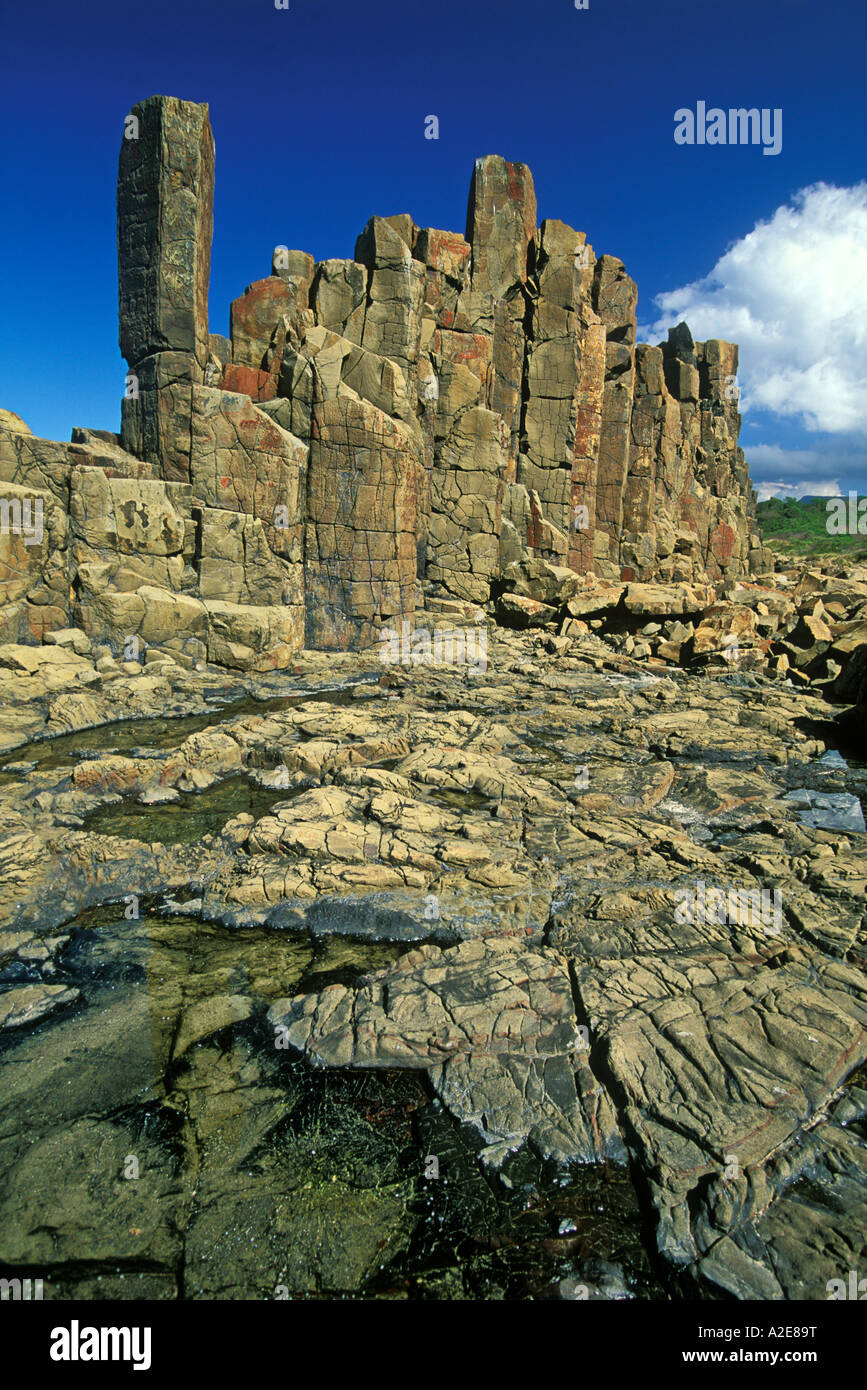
(829, 471)
(793, 294)
(812, 487)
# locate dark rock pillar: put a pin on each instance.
(165, 210)
(165, 201)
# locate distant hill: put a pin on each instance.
(799, 527)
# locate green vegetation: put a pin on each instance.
(800, 528)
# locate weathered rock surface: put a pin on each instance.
(440, 408)
(627, 938)
(165, 201)
(362, 501)
(494, 1025)
(606, 879)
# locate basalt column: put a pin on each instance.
(362, 507)
(476, 352)
(501, 226)
(165, 199)
(564, 380)
(716, 499)
(615, 297)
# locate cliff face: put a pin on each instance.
(412, 420)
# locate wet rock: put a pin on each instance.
(73, 1200)
(828, 810)
(542, 827)
(209, 1016)
(430, 1009)
(595, 1280)
(25, 1005)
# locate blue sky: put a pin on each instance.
(318, 114)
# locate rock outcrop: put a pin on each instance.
(571, 902)
(601, 920)
(409, 422)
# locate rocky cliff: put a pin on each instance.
(576, 910)
(406, 424)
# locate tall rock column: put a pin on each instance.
(395, 294)
(501, 227)
(563, 391)
(476, 350)
(362, 509)
(719, 462)
(686, 504)
(615, 297)
(654, 453)
(501, 224)
(165, 200)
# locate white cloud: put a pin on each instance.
(830, 471)
(812, 487)
(793, 294)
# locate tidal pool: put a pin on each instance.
(155, 1142)
(192, 815)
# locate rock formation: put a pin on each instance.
(408, 423)
(572, 903)
(509, 854)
